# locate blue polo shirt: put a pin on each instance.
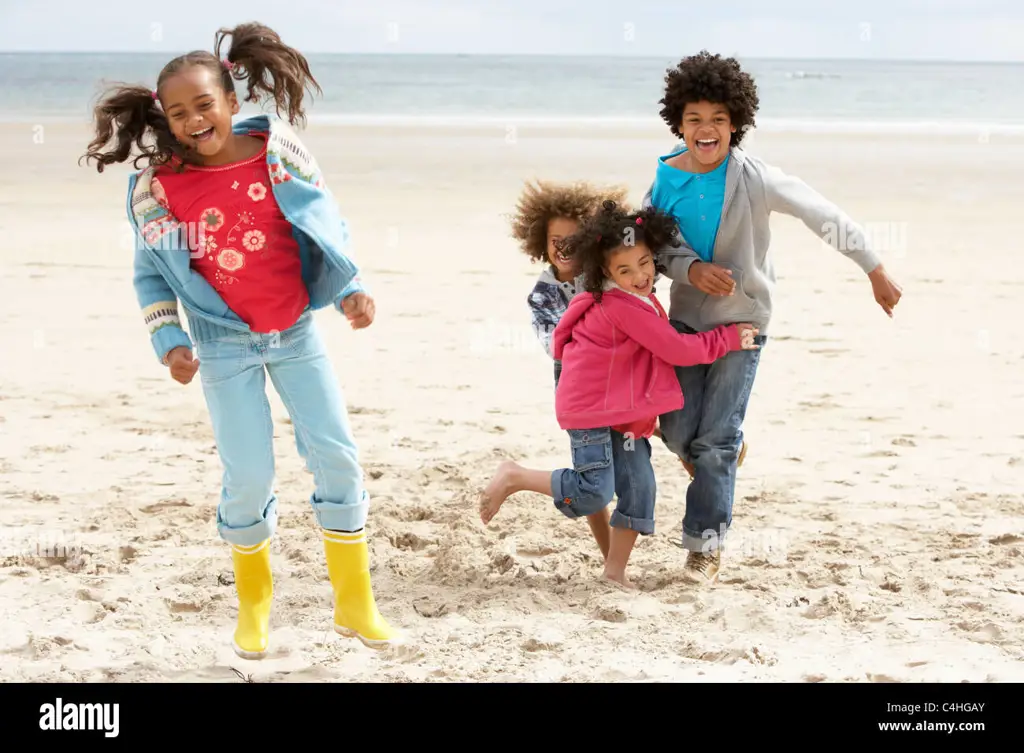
(694, 199)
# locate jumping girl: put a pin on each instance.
(234, 221)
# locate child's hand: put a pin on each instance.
(711, 278)
(359, 310)
(747, 334)
(183, 366)
(887, 292)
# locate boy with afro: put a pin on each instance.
(547, 214)
(722, 198)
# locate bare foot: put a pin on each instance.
(618, 578)
(492, 498)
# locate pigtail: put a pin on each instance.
(270, 67)
(128, 115)
(659, 230)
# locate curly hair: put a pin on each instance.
(613, 228)
(710, 78)
(131, 113)
(542, 202)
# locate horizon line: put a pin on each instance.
(970, 61)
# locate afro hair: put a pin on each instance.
(612, 228)
(710, 78)
(542, 201)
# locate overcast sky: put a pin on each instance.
(873, 29)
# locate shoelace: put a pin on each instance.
(701, 562)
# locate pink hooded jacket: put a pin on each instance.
(618, 358)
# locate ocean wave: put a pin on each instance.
(511, 123)
(855, 126)
(655, 124)
(810, 74)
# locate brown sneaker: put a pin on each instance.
(703, 567)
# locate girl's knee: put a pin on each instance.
(596, 491)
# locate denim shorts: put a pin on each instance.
(608, 464)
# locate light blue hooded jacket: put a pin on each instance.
(163, 274)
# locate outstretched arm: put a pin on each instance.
(661, 338)
(790, 195)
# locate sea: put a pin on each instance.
(417, 90)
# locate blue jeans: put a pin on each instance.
(233, 372)
(708, 433)
(607, 464)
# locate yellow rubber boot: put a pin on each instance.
(255, 585)
(355, 610)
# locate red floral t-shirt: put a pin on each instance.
(249, 254)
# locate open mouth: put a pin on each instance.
(562, 257)
(707, 145)
(204, 135)
(643, 287)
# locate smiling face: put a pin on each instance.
(707, 130)
(560, 228)
(199, 111)
(632, 269)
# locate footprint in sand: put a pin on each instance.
(610, 613)
(185, 606)
(1006, 538)
(89, 612)
(411, 542)
(987, 632)
(429, 607)
(167, 504)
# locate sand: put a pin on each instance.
(878, 527)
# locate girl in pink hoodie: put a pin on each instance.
(618, 353)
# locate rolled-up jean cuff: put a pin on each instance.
(556, 492)
(334, 516)
(643, 526)
(706, 543)
(254, 534)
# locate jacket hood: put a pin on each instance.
(255, 123)
(287, 158)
